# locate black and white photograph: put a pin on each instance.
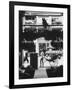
(40, 51)
(40, 44)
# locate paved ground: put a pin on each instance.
(40, 73)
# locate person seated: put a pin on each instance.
(45, 24)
